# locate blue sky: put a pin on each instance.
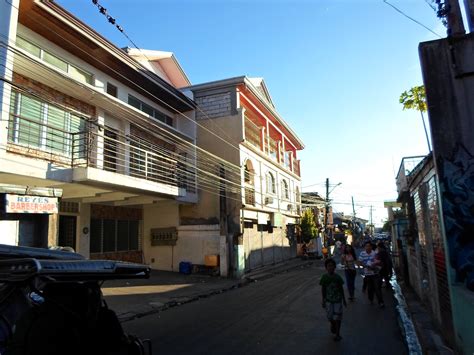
(335, 70)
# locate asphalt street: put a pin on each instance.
(278, 315)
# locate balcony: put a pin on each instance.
(104, 157)
(253, 136)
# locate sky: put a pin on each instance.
(335, 70)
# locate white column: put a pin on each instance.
(8, 28)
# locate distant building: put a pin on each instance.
(258, 203)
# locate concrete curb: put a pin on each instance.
(404, 320)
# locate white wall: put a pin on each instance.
(262, 167)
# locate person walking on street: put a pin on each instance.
(333, 297)
(349, 259)
(371, 265)
(386, 264)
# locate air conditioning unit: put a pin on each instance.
(289, 207)
(268, 200)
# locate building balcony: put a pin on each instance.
(105, 158)
(269, 147)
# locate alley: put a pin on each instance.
(279, 315)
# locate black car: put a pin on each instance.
(51, 303)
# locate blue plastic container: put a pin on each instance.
(185, 267)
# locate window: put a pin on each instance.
(112, 90)
(248, 172)
(110, 149)
(29, 47)
(271, 183)
(111, 235)
(133, 101)
(54, 60)
(36, 124)
(285, 190)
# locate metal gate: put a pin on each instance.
(264, 245)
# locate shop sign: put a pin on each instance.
(30, 204)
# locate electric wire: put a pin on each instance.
(187, 142)
(411, 18)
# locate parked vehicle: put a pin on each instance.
(51, 303)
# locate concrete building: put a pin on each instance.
(105, 129)
(258, 202)
(419, 240)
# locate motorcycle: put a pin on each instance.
(51, 303)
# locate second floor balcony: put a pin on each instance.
(270, 146)
(101, 156)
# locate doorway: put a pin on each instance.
(67, 231)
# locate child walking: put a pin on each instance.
(333, 297)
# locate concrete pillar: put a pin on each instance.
(83, 230)
(8, 29)
(224, 256)
(53, 227)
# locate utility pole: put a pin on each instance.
(326, 213)
(353, 208)
(454, 17)
(469, 6)
(371, 225)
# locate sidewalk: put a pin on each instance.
(132, 299)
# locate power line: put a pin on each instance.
(411, 18)
(208, 158)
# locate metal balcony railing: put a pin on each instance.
(126, 155)
(253, 133)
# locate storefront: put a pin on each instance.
(28, 215)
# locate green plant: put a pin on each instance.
(415, 99)
(308, 226)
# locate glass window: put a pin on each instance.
(270, 183)
(55, 61)
(28, 46)
(122, 235)
(80, 75)
(133, 101)
(133, 228)
(112, 90)
(96, 236)
(148, 109)
(29, 128)
(286, 192)
(109, 235)
(56, 131)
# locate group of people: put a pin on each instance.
(376, 266)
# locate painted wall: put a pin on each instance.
(450, 97)
(159, 215)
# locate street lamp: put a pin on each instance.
(325, 242)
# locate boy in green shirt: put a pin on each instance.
(333, 297)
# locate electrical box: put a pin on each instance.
(164, 236)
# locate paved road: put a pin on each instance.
(279, 315)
